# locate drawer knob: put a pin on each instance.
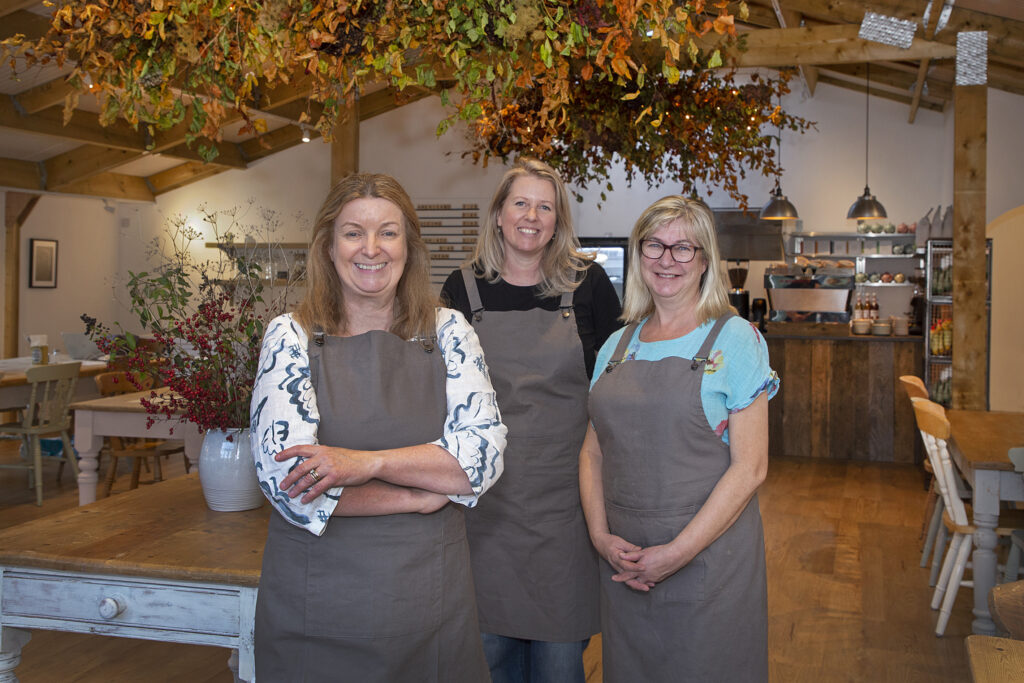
(111, 607)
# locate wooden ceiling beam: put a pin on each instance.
(81, 163)
(26, 175)
(20, 175)
(12, 6)
(836, 79)
(818, 45)
(1006, 36)
(84, 127)
(283, 138)
(112, 186)
(790, 19)
(898, 79)
(922, 70)
(28, 24)
(182, 175)
(44, 95)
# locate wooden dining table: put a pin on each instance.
(980, 444)
(122, 415)
(154, 563)
(14, 387)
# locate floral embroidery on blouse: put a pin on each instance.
(284, 413)
(714, 362)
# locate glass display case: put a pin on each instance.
(938, 322)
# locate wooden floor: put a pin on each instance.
(847, 600)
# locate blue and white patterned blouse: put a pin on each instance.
(284, 413)
(736, 373)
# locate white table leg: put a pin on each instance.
(986, 517)
(11, 642)
(88, 447)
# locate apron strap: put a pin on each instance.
(705, 349)
(565, 304)
(475, 307)
(620, 351)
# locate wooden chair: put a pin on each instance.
(995, 660)
(914, 386)
(1006, 605)
(932, 522)
(140, 450)
(51, 389)
(931, 420)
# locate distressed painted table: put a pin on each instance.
(121, 415)
(981, 440)
(153, 563)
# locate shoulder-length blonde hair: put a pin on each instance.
(562, 260)
(713, 301)
(324, 303)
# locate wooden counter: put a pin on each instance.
(840, 396)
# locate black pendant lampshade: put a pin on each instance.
(866, 206)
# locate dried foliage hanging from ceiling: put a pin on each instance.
(578, 83)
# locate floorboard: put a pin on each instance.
(847, 600)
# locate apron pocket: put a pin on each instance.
(383, 580)
(685, 586)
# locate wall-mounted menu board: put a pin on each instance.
(450, 228)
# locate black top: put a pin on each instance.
(594, 302)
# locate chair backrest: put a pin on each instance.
(914, 387)
(119, 382)
(935, 430)
(52, 388)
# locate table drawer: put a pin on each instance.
(195, 608)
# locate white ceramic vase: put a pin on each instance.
(227, 471)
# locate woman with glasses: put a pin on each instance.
(541, 309)
(670, 466)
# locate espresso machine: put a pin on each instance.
(738, 296)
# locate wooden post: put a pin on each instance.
(345, 148)
(17, 207)
(970, 269)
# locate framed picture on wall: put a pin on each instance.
(42, 263)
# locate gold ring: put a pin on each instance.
(315, 477)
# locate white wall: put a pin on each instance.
(86, 263)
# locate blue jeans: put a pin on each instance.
(514, 660)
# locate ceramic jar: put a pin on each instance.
(227, 472)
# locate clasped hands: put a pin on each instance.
(640, 568)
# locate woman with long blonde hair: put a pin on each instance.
(373, 423)
(541, 308)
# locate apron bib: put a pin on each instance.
(661, 461)
(535, 570)
(386, 598)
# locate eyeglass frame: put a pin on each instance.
(671, 248)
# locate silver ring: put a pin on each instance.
(313, 475)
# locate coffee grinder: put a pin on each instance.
(739, 297)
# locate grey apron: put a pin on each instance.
(387, 598)
(661, 459)
(534, 567)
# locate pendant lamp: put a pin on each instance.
(778, 207)
(866, 206)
